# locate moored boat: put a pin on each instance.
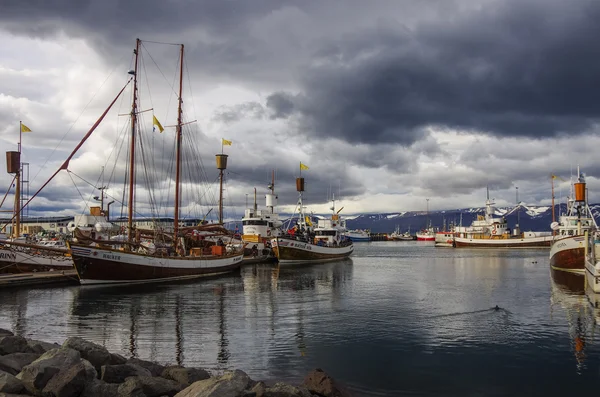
(20, 254)
(358, 235)
(426, 234)
(489, 231)
(307, 244)
(567, 253)
(444, 239)
(258, 227)
(397, 236)
(155, 255)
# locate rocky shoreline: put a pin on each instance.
(79, 368)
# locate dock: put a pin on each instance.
(39, 279)
(379, 237)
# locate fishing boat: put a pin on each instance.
(427, 234)
(444, 239)
(490, 231)
(567, 252)
(259, 227)
(157, 254)
(358, 235)
(307, 244)
(19, 254)
(397, 236)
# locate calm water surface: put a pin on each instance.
(399, 318)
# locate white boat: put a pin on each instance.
(490, 231)
(444, 239)
(259, 227)
(591, 245)
(567, 252)
(158, 255)
(307, 244)
(358, 235)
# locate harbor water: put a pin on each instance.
(399, 318)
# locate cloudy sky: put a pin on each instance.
(388, 102)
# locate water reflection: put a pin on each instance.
(568, 291)
(393, 309)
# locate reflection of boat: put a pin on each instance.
(327, 241)
(358, 235)
(568, 252)
(489, 231)
(567, 291)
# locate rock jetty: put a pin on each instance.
(79, 368)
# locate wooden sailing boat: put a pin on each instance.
(17, 254)
(133, 261)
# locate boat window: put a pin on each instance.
(326, 233)
(256, 223)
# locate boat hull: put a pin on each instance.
(568, 254)
(289, 251)
(425, 238)
(531, 242)
(359, 239)
(34, 259)
(108, 266)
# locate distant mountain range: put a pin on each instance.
(531, 218)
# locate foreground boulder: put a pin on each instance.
(185, 376)
(230, 384)
(14, 363)
(37, 346)
(36, 375)
(154, 368)
(149, 387)
(118, 373)
(10, 384)
(320, 383)
(13, 344)
(68, 382)
(5, 332)
(99, 388)
(94, 353)
(285, 390)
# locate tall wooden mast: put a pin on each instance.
(132, 146)
(178, 155)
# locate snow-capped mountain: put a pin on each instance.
(531, 218)
(534, 218)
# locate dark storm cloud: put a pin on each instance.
(513, 68)
(280, 104)
(246, 110)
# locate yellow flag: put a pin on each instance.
(226, 142)
(156, 123)
(303, 166)
(24, 128)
